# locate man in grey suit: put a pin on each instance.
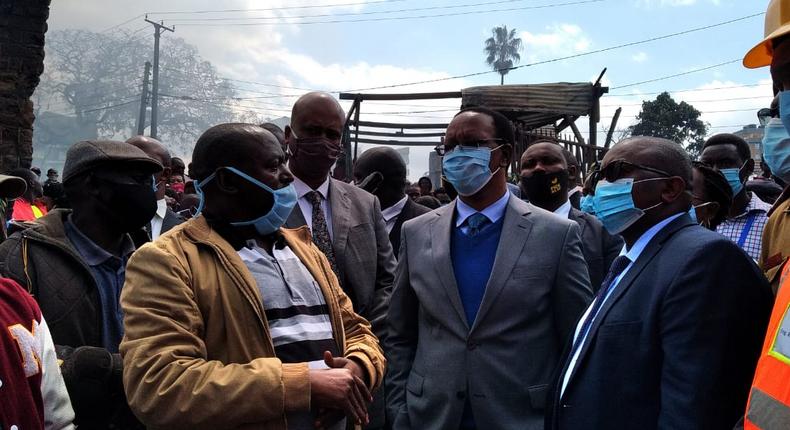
(488, 291)
(546, 173)
(345, 220)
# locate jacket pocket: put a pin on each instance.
(415, 383)
(628, 328)
(537, 396)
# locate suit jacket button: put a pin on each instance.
(461, 395)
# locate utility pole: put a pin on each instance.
(158, 28)
(143, 100)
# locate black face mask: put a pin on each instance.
(545, 187)
(315, 156)
(131, 205)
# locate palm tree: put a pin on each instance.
(503, 48)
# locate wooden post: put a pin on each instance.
(612, 127)
(347, 141)
(358, 105)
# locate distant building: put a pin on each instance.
(403, 151)
(753, 135)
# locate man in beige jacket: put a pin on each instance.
(234, 322)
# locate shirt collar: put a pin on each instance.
(755, 205)
(161, 208)
(302, 188)
(493, 212)
(641, 243)
(564, 211)
(94, 254)
(394, 210)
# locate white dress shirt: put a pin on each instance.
(564, 211)
(159, 219)
(493, 212)
(632, 254)
(391, 213)
(307, 208)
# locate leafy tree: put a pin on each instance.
(678, 122)
(96, 79)
(503, 50)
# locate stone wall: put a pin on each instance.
(23, 24)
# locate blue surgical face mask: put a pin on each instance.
(284, 200)
(776, 148)
(614, 204)
(467, 169)
(586, 204)
(693, 214)
(784, 108)
(733, 176)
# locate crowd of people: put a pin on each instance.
(251, 289)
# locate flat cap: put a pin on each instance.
(89, 154)
(11, 187)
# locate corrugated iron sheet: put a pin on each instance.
(534, 105)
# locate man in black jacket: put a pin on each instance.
(545, 181)
(672, 337)
(73, 263)
(382, 172)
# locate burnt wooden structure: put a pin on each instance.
(537, 112)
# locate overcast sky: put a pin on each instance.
(384, 42)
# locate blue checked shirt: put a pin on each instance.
(733, 227)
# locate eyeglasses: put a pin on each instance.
(444, 149)
(619, 168)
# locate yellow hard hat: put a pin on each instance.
(777, 23)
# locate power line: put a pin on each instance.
(399, 18)
(737, 60)
(255, 18)
(123, 23)
(273, 8)
(690, 101)
(690, 90)
(568, 57)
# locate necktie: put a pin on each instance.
(320, 231)
(618, 265)
(476, 222)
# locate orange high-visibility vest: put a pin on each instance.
(769, 400)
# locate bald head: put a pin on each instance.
(382, 171)
(154, 148)
(316, 104)
(653, 152)
(235, 144)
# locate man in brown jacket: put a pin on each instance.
(234, 322)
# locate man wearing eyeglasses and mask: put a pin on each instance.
(744, 225)
(488, 291)
(671, 338)
(234, 323)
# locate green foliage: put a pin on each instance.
(678, 122)
(502, 50)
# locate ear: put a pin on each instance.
(747, 169)
(674, 188)
(507, 156)
(572, 172)
(225, 182)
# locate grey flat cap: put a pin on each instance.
(89, 154)
(11, 187)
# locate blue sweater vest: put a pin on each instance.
(473, 260)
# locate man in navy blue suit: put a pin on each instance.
(673, 335)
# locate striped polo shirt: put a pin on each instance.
(298, 316)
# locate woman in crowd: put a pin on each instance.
(711, 196)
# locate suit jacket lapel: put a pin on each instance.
(576, 217)
(515, 232)
(341, 223)
(628, 280)
(296, 219)
(439, 243)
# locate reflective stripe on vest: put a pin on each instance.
(769, 400)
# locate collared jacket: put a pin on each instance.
(776, 241)
(198, 352)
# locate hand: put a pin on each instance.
(339, 388)
(371, 182)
